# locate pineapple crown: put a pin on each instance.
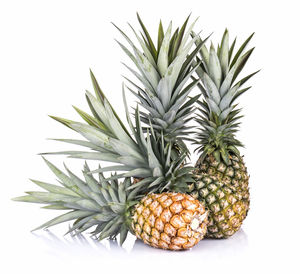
(218, 114)
(101, 204)
(136, 155)
(164, 71)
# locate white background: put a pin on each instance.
(46, 49)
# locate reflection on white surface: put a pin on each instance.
(78, 244)
(82, 254)
(84, 245)
(236, 244)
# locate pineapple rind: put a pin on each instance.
(235, 174)
(225, 193)
(169, 220)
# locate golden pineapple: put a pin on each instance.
(170, 220)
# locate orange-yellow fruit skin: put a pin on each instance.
(173, 221)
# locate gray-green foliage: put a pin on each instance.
(140, 155)
(100, 204)
(164, 72)
(218, 113)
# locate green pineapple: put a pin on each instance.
(169, 220)
(164, 72)
(227, 207)
(220, 160)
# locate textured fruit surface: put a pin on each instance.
(219, 120)
(168, 220)
(234, 174)
(226, 206)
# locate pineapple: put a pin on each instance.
(168, 220)
(220, 167)
(164, 72)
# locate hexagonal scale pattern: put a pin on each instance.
(225, 202)
(168, 220)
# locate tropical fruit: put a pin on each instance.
(219, 120)
(152, 191)
(225, 205)
(168, 220)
